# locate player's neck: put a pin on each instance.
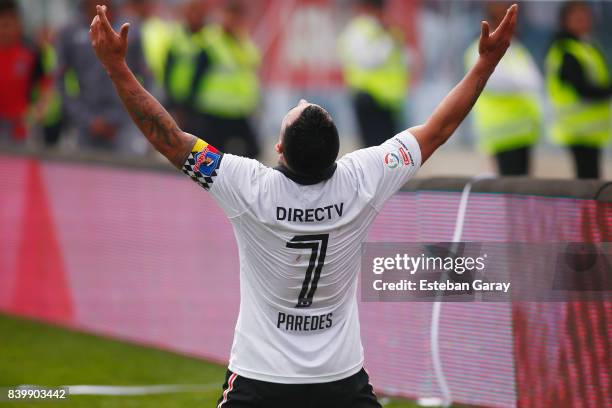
(304, 179)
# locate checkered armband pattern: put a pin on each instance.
(202, 165)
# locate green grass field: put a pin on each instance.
(40, 354)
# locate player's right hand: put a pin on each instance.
(109, 46)
(492, 47)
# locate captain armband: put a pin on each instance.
(202, 165)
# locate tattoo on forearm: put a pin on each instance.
(152, 119)
(480, 85)
(157, 125)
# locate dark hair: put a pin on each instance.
(567, 8)
(311, 143)
(8, 6)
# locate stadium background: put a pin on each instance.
(96, 242)
(298, 41)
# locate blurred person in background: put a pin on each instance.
(579, 87)
(90, 103)
(186, 44)
(154, 33)
(375, 71)
(224, 88)
(49, 104)
(508, 114)
(21, 73)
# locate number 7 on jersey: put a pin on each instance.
(318, 247)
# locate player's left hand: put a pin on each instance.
(109, 46)
(492, 47)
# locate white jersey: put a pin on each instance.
(300, 253)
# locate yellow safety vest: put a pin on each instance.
(230, 88)
(505, 120)
(53, 112)
(185, 48)
(156, 43)
(578, 121)
(387, 83)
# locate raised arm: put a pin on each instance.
(455, 107)
(149, 115)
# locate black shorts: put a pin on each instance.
(351, 392)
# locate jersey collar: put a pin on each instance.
(304, 179)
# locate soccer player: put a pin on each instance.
(299, 228)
